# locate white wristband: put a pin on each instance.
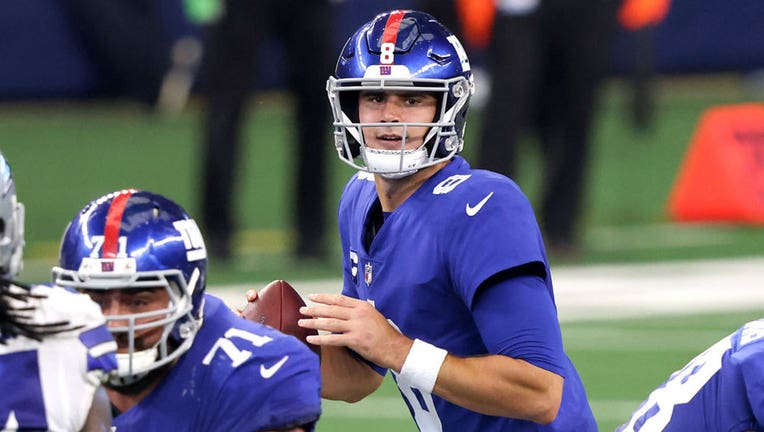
(422, 364)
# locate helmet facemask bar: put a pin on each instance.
(11, 234)
(442, 141)
(179, 326)
(12, 242)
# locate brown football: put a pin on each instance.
(278, 305)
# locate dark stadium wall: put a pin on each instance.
(43, 58)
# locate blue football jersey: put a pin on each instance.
(50, 384)
(722, 389)
(422, 271)
(237, 376)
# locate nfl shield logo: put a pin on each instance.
(367, 273)
(385, 70)
(107, 266)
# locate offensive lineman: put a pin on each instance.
(186, 361)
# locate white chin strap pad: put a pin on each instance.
(141, 361)
(394, 164)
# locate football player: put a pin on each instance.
(54, 346)
(186, 361)
(446, 280)
(719, 390)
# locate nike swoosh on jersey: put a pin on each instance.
(472, 211)
(267, 372)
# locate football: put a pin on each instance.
(278, 305)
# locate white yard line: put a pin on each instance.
(666, 288)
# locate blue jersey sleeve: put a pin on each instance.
(271, 393)
(241, 376)
(502, 236)
(293, 395)
(533, 333)
(101, 349)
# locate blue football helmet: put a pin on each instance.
(137, 239)
(11, 224)
(401, 50)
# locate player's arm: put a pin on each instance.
(501, 386)
(343, 375)
(99, 416)
(516, 318)
(346, 377)
(491, 384)
(277, 389)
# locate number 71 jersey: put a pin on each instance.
(722, 389)
(237, 376)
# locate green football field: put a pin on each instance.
(65, 154)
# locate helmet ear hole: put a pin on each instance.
(355, 146)
(349, 105)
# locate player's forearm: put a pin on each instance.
(345, 377)
(500, 386)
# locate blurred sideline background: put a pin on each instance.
(74, 128)
(73, 132)
(45, 53)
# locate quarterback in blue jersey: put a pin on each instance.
(722, 389)
(186, 361)
(55, 349)
(446, 280)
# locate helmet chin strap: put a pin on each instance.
(395, 164)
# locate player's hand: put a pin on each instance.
(355, 324)
(251, 295)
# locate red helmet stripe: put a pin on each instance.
(113, 222)
(391, 27)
